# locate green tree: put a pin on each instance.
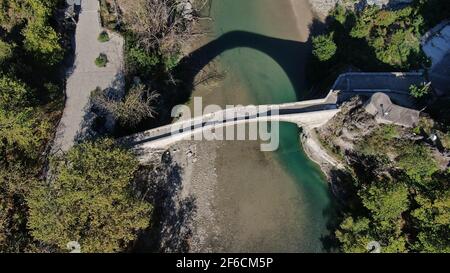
(324, 47)
(354, 235)
(433, 222)
(14, 184)
(5, 51)
(378, 142)
(25, 119)
(13, 94)
(364, 23)
(18, 131)
(138, 59)
(386, 202)
(90, 200)
(42, 41)
(417, 162)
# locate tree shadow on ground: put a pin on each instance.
(161, 184)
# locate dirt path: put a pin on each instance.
(85, 76)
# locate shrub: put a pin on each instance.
(140, 59)
(103, 37)
(445, 139)
(170, 62)
(136, 106)
(419, 91)
(101, 60)
(324, 47)
(380, 141)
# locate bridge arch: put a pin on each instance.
(289, 55)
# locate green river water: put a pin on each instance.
(255, 77)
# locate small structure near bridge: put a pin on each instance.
(381, 106)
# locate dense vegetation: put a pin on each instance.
(375, 39)
(88, 197)
(396, 190)
(403, 203)
(30, 101)
(90, 201)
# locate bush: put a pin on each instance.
(103, 37)
(419, 91)
(136, 106)
(139, 59)
(170, 62)
(324, 47)
(445, 139)
(101, 60)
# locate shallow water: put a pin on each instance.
(277, 201)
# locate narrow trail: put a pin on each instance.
(85, 76)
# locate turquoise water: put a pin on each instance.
(265, 71)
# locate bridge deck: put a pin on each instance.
(290, 112)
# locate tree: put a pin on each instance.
(417, 162)
(137, 105)
(43, 42)
(90, 200)
(25, 119)
(433, 222)
(353, 234)
(364, 22)
(386, 202)
(157, 24)
(20, 131)
(138, 59)
(31, 18)
(324, 47)
(5, 51)
(13, 94)
(15, 180)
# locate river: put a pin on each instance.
(267, 201)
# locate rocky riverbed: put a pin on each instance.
(323, 7)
